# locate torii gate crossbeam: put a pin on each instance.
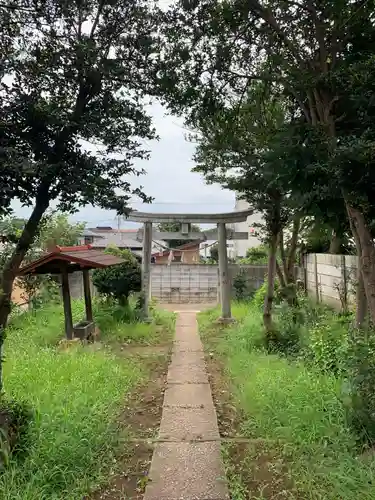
(220, 219)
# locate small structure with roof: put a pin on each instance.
(65, 260)
(185, 254)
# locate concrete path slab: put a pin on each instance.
(189, 424)
(187, 374)
(188, 396)
(187, 471)
(188, 358)
(187, 463)
(194, 345)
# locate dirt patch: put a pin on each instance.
(228, 416)
(140, 420)
(145, 350)
(258, 468)
(255, 468)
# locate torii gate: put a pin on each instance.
(185, 220)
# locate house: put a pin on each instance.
(240, 247)
(102, 237)
(186, 254)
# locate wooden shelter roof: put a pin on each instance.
(73, 258)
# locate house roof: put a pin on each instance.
(191, 245)
(76, 258)
(122, 238)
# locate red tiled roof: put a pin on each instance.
(84, 256)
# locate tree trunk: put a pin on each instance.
(335, 244)
(366, 259)
(361, 310)
(361, 300)
(271, 271)
(293, 249)
(11, 267)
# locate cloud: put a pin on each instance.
(168, 179)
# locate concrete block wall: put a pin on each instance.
(184, 283)
(331, 278)
(254, 274)
(197, 283)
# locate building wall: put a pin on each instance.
(241, 246)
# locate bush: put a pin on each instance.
(121, 280)
(15, 419)
(241, 286)
(286, 338)
(327, 345)
(260, 294)
(360, 401)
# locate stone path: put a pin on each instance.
(187, 464)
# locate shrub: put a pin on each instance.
(286, 338)
(15, 419)
(121, 280)
(360, 399)
(260, 294)
(241, 286)
(327, 345)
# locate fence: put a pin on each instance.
(331, 278)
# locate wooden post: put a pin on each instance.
(344, 283)
(146, 268)
(316, 278)
(67, 304)
(87, 294)
(226, 314)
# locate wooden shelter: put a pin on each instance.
(66, 260)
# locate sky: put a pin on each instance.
(168, 177)
(168, 180)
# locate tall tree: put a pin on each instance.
(72, 108)
(234, 149)
(312, 50)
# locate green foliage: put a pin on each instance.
(214, 253)
(260, 294)
(120, 280)
(55, 229)
(241, 286)
(285, 339)
(256, 255)
(293, 410)
(175, 227)
(76, 394)
(360, 386)
(328, 344)
(15, 421)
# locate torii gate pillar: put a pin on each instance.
(146, 269)
(224, 280)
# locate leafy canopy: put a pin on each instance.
(72, 116)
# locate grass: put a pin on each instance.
(77, 393)
(119, 324)
(307, 449)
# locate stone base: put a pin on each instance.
(226, 321)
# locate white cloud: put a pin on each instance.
(169, 178)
